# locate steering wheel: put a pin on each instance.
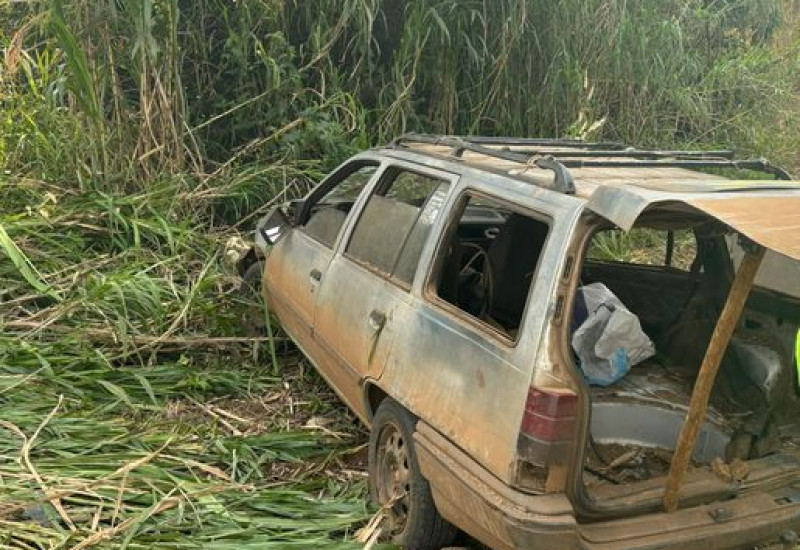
(486, 279)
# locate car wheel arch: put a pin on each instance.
(374, 395)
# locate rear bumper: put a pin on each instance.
(744, 522)
(505, 519)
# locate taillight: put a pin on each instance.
(545, 436)
(549, 414)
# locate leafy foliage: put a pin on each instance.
(166, 86)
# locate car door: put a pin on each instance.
(297, 263)
(464, 363)
(364, 299)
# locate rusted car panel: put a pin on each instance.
(300, 254)
(518, 520)
(747, 522)
(358, 333)
(771, 221)
(502, 518)
(474, 381)
(507, 423)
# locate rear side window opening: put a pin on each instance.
(675, 277)
(488, 262)
(667, 248)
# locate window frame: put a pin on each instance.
(330, 182)
(430, 293)
(388, 174)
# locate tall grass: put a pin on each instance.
(166, 86)
(652, 73)
(134, 411)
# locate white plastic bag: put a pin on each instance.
(611, 340)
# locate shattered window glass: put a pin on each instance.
(350, 188)
(330, 212)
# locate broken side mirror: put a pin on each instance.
(272, 227)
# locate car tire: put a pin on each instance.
(394, 474)
(250, 291)
(252, 280)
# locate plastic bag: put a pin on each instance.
(611, 340)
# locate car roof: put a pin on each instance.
(620, 182)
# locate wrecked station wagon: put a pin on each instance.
(436, 284)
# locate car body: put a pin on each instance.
(442, 274)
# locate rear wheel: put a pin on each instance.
(397, 485)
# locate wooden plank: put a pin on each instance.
(726, 325)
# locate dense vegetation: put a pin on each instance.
(139, 141)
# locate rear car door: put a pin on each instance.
(463, 364)
(297, 264)
(366, 291)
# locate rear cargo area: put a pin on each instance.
(675, 277)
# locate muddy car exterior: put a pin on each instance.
(435, 283)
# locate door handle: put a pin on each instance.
(377, 319)
(316, 275)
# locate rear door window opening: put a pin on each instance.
(488, 261)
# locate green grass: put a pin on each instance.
(147, 458)
(134, 411)
(644, 246)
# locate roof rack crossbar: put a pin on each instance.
(459, 146)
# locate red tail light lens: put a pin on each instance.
(549, 414)
(545, 438)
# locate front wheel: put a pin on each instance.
(251, 293)
(397, 485)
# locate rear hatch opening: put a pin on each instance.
(675, 272)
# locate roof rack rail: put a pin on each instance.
(550, 142)
(620, 155)
(577, 148)
(633, 153)
(757, 165)
(508, 141)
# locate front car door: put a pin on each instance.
(297, 263)
(365, 296)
